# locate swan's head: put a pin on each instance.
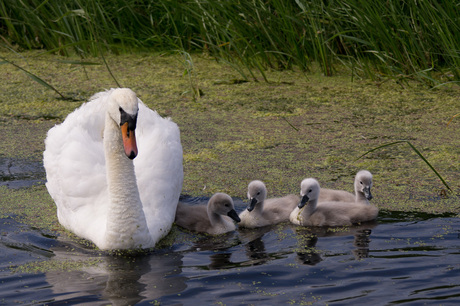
(222, 204)
(309, 191)
(257, 192)
(363, 183)
(123, 108)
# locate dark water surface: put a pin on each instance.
(403, 258)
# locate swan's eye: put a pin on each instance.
(226, 205)
(310, 190)
(361, 182)
(258, 193)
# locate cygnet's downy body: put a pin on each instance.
(215, 218)
(261, 211)
(362, 186)
(334, 213)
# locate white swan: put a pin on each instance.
(101, 193)
(262, 212)
(362, 186)
(336, 213)
(211, 218)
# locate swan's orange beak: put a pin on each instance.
(129, 141)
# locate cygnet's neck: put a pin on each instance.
(309, 208)
(360, 197)
(259, 207)
(126, 223)
(214, 218)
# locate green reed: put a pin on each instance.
(403, 40)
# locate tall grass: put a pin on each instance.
(378, 39)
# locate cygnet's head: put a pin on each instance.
(309, 191)
(257, 192)
(123, 108)
(222, 204)
(363, 183)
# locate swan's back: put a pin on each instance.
(76, 170)
(159, 169)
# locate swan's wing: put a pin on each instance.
(75, 167)
(159, 170)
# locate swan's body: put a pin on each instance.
(362, 186)
(101, 193)
(336, 213)
(262, 212)
(213, 218)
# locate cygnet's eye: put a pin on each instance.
(258, 193)
(226, 205)
(310, 190)
(361, 182)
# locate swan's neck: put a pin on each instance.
(126, 223)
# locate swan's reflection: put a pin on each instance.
(308, 237)
(121, 280)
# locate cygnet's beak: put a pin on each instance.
(367, 193)
(232, 214)
(303, 201)
(252, 204)
(129, 140)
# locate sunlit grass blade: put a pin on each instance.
(416, 151)
(453, 118)
(34, 77)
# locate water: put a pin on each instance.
(403, 258)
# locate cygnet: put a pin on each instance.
(362, 185)
(334, 213)
(213, 218)
(261, 211)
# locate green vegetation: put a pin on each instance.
(377, 39)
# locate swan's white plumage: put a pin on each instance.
(76, 173)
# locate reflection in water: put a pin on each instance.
(361, 242)
(121, 280)
(220, 261)
(254, 245)
(308, 237)
(310, 256)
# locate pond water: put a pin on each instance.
(402, 258)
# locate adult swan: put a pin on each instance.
(114, 169)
